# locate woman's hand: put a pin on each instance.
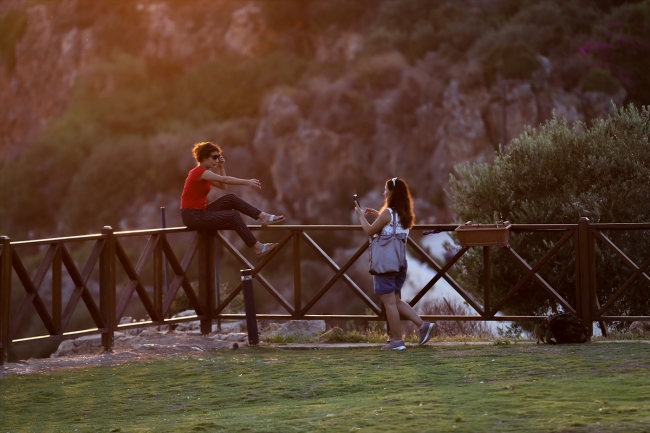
(254, 183)
(221, 161)
(371, 211)
(358, 210)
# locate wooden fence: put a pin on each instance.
(97, 289)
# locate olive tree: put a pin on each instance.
(555, 175)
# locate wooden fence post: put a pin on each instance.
(486, 281)
(206, 280)
(249, 307)
(107, 289)
(297, 279)
(5, 297)
(583, 302)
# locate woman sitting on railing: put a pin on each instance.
(398, 205)
(224, 212)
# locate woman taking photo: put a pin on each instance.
(224, 212)
(398, 205)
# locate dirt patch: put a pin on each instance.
(136, 349)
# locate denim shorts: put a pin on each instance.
(392, 283)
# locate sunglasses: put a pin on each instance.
(216, 157)
(394, 181)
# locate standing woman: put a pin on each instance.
(224, 212)
(399, 205)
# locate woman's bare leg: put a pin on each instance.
(408, 312)
(392, 315)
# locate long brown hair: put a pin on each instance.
(399, 199)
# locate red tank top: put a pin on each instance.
(195, 191)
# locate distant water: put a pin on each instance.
(419, 274)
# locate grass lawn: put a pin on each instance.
(593, 387)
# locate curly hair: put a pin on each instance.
(399, 199)
(203, 150)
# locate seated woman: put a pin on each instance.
(224, 212)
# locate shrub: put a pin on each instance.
(599, 80)
(116, 24)
(621, 43)
(12, 28)
(379, 73)
(343, 14)
(557, 175)
(381, 40)
(512, 61)
(107, 181)
(401, 14)
(422, 39)
(568, 72)
(233, 87)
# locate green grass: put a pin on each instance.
(464, 388)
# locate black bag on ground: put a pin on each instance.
(562, 328)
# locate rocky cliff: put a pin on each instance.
(317, 140)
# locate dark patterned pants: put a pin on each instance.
(223, 214)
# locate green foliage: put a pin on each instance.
(130, 95)
(232, 87)
(511, 61)
(555, 176)
(283, 14)
(382, 39)
(12, 27)
(342, 14)
(621, 42)
(600, 80)
(100, 147)
(119, 25)
(415, 28)
(402, 14)
(132, 173)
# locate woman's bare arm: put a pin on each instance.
(377, 225)
(215, 179)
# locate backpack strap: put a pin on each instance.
(393, 220)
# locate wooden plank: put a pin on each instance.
(297, 278)
(5, 297)
(107, 288)
(158, 277)
(206, 280)
(487, 264)
(57, 293)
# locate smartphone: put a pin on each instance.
(356, 201)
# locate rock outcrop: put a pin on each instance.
(323, 137)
